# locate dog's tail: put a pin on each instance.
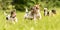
(26, 10)
(5, 13)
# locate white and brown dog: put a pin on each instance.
(32, 15)
(9, 18)
(49, 13)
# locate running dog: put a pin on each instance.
(32, 14)
(8, 17)
(49, 13)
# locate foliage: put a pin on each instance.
(21, 4)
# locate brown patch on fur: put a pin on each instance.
(12, 13)
(54, 11)
(47, 13)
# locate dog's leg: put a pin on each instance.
(34, 16)
(50, 13)
(25, 16)
(39, 15)
(45, 13)
(16, 19)
(12, 20)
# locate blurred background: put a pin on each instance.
(22, 4)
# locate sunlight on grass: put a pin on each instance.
(46, 23)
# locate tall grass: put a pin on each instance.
(46, 23)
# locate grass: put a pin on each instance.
(46, 23)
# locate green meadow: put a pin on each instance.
(46, 23)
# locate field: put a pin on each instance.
(46, 23)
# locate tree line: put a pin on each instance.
(21, 4)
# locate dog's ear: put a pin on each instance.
(5, 13)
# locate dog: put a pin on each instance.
(36, 12)
(49, 13)
(32, 14)
(9, 18)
